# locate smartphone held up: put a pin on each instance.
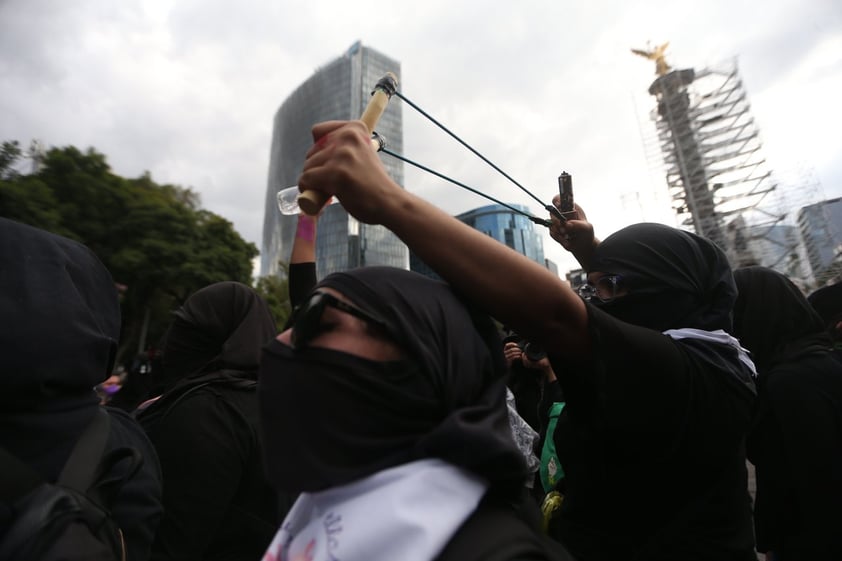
(565, 192)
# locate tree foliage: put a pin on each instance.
(275, 291)
(154, 239)
(10, 153)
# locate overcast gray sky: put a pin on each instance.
(187, 89)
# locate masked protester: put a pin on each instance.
(217, 501)
(384, 405)
(58, 340)
(658, 393)
(796, 439)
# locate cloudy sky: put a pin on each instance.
(187, 89)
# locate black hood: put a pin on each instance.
(774, 320)
(827, 301)
(446, 400)
(675, 278)
(61, 316)
(222, 326)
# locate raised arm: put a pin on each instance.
(302, 261)
(576, 235)
(509, 286)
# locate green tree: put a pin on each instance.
(155, 239)
(275, 291)
(10, 153)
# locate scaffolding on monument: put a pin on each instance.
(718, 180)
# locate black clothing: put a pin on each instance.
(61, 324)
(796, 447)
(446, 400)
(796, 441)
(44, 439)
(675, 278)
(61, 317)
(302, 279)
(653, 438)
(528, 387)
(652, 446)
(222, 326)
(218, 504)
(827, 301)
(500, 532)
(775, 334)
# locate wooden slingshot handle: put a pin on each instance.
(311, 202)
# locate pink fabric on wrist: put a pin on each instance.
(306, 228)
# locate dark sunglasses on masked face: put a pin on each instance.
(306, 319)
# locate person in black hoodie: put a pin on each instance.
(217, 501)
(58, 339)
(827, 301)
(796, 441)
(384, 405)
(658, 394)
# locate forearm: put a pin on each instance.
(304, 244)
(302, 279)
(509, 286)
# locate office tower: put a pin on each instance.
(338, 90)
(508, 227)
(505, 226)
(821, 230)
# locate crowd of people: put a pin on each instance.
(400, 417)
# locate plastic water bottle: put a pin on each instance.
(288, 200)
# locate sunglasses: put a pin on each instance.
(306, 319)
(604, 289)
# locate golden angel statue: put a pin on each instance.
(656, 54)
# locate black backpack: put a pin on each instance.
(151, 412)
(68, 520)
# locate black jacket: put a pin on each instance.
(58, 339)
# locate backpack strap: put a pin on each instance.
(81, 468)
(79, 472)
(172, 397)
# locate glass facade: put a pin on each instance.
(505, 226)
(821, 230)
(508, 227)
(339, 90)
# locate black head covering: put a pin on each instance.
(827, 301)
(774, 320)
(675, 279)
(60, 315)
(220, 327)
(330, 418)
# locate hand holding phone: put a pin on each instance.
(565, 191)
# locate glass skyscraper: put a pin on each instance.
(821, 230)
(339, 90)
(510, 228)
(505, 226)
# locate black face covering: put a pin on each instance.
(650, 309)
(222, 326)
(60, 315)
(774, 320)
(675, 279)
(352, 412)
(329, 418)
(827, 301)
